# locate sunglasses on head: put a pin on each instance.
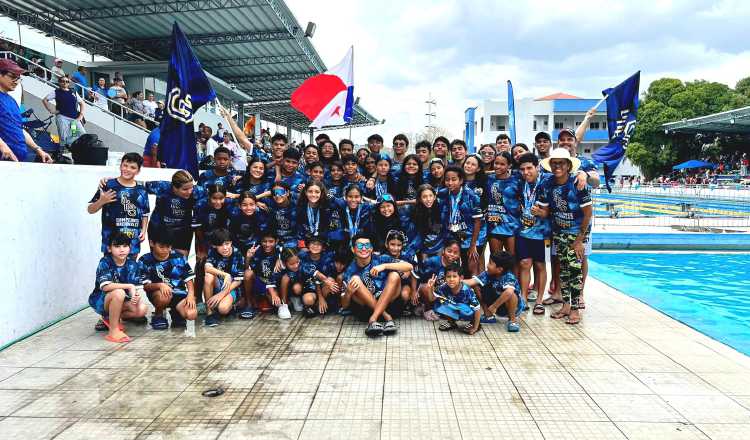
(363, 246)
(279, 192)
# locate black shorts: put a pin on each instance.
(528, 248)
(177, 296)
(362, 313)
(183, 236)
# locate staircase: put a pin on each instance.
(117, 133)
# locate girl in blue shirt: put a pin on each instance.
(436, 173)
(335, 181)
(253, 180)
(464, 215)
(429, 222)
(503, 206)
(476, 180)
(211, 215)
(383, 181)
(313, 212)
(409, 179)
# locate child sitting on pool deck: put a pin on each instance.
(117, 293)
(455, 301)
(224, 274)
(499, 290)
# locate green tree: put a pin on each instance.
(743, 87)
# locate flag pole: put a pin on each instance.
(601, 100)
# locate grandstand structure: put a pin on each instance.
(255, 46)
(730, 122)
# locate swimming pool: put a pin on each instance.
(636, 205)
(708, 292)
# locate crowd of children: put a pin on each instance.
(362, 233)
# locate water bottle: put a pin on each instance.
(190, 328)
(73, 128)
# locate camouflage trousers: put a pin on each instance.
(571, 273)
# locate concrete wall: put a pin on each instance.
(50, 244)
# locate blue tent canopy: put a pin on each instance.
(693, 164)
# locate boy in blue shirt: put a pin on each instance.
(535, 229)
(434, 267)
(283, 214)
(260, 279)
(221, 173)
(224, 274)
(124, 205)
(571, 211)
(117, 291)
(456, 301)
(464, 213)
(374, 283)
(499, 290)
(168, 282)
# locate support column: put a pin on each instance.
(289, 130)
(257, 126)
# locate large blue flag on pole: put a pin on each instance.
(622, 110)
(511, 114)
(187, 90)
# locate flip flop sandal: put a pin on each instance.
(447, 325)
(581, 305)
(572, 321)
(389, 328)
(374, 329)
(107, 324)
(539, 309)
(468, 326)
(559, 315)
(552, 301)
(122, 340)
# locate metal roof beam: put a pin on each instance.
(152, 8)
(45, 22)
(162, 43)
(269, 78)
(253, 61)
(287, 19)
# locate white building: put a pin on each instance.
(549, 114)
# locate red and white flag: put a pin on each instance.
(328, 98)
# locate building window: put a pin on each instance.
(495, 122)
(501, 128)
(578, 123)
(558, 125)
(534, 125)
(481, 124)
(594, 126)
(587, 150)
(546, 123)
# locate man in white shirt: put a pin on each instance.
(151, 105)
(57, 70)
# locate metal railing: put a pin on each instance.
(718, 191)
(124, 109)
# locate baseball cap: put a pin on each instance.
(7, 65)
(568, 131)
(57, 60)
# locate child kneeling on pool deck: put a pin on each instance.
(499, 290)
(117, 293)
(168, 282)
(224, 273)
(263, 262)
(298, 279)
(455, 301)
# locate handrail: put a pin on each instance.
(8, 54)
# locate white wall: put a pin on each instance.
(50, 244)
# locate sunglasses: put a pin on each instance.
(64, 81)
(280, 192)
(13, 76)
(363, 246)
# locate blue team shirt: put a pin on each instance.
(11, 130)
(324, 264)
(503, 205)
(465, 295)
(210, 219)
(245, 230)
(125, 214)
(534, 227)
(254, 189)
(374, 284)
(108, 272)
(305, 276)
(586, 164)
(263, 264)
(175, 271)
(336, 221)
(233, 265)
(333, 190)
(357, 220)
(566, 203)
(498, 284)
(432, 266)
(172, 210)
(284, 222)
(461, 222)
(295, 180)
(209, 177)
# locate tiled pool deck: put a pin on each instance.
(626, 372)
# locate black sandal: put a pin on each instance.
(447, 326)
(539, 309)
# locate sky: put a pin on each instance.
(463, 52)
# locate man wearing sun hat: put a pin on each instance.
(57, 69)
(571, 211)
(13, 138)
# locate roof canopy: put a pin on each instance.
(256, 46)
(735, 121)
(693, 164)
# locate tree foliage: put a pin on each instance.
(669, 100)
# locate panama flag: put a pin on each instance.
(328, 99)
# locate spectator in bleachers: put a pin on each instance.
(220, 131)
(68, 111)
(118, 94)
(239, 154)
(57, 70)
(138, 110)
(38, 69)
(14, 140)
(206, 135)
(151, 105)
(159, 113)
(99, 94)
(81, 80)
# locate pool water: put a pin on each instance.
(709, 292)
(637, 205)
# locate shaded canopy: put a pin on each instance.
(693, 164)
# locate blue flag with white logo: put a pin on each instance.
(622, 110)
(511, 114)
(187, 90)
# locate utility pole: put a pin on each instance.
(430, 112)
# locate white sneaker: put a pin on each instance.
(283, 312)
(297, 303)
